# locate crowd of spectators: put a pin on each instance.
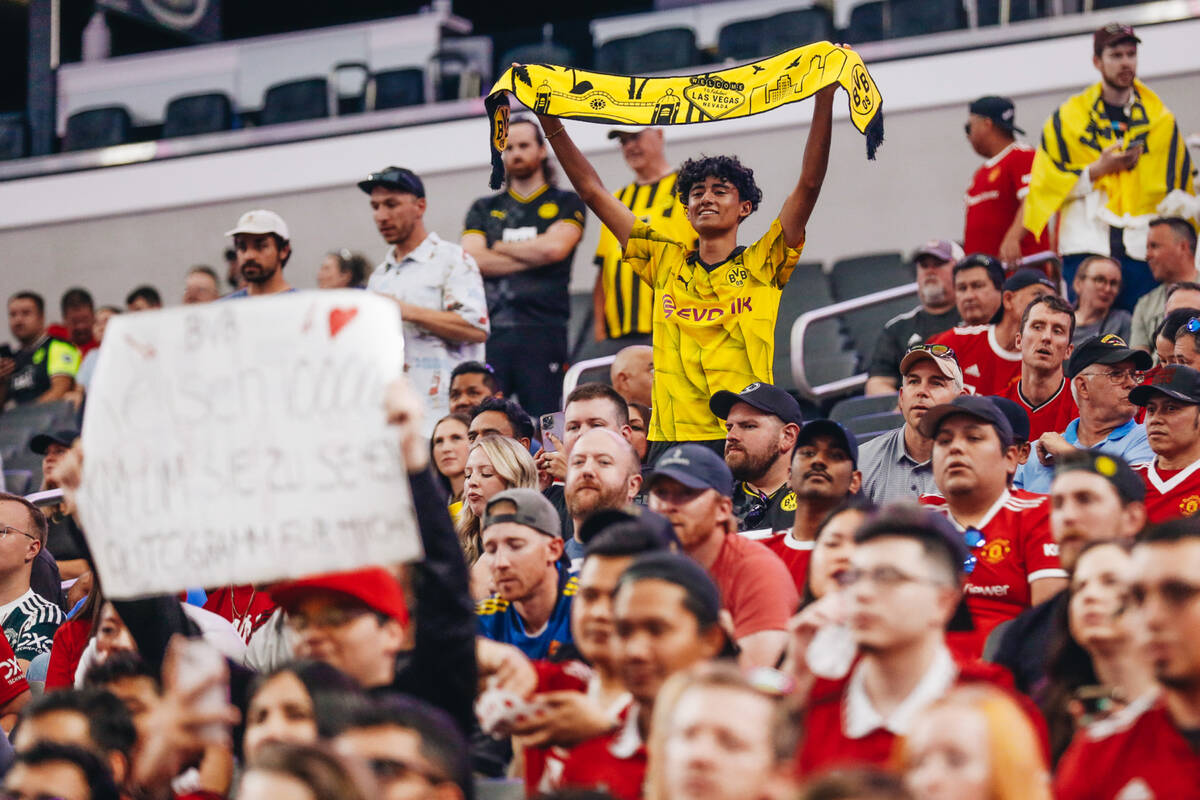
(673, 585)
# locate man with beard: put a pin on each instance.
(1147, 749)
(262, 243)
(824, 473)
(898, 465)
(434, 283)
(934, 263)
(762, 423)
(603, 472)
(1041, 390)
(691, 486)
(524, 240)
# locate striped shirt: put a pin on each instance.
(30, 622)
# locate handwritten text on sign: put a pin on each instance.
(245, 442)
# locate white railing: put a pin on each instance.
(800, 328)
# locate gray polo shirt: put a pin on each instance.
(889, 474)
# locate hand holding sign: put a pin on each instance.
(245, 442)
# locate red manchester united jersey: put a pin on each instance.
(1170, 495)
(794, 554)
(1017, 550)
(992, 199)
(614, 762)
(986, 366)
(1136, 754)
(1052, 416)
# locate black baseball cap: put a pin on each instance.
(999, 110)
(1173, 380)
(652, 523)
(1028, 277)
(41, 443)
(695, 466)
(762, 396)
(981, 408)
(685, 573)
(399, 178)
(1112, 468)
(1018, 418)
(1113, 33)
(1106, 349)
(834, 430)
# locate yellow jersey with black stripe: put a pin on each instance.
(714, 325)
(499, 620)
(628, 302)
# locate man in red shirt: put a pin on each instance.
(824, 472)
(1148, 749)
(666, 609)
(901, 591)
(1172, 402)
(1014, 560)
(996, 197)
(691, 486)
(1045, 343)
(987, 353)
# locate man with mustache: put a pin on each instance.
(1102, 370)
(263, 246)
(691, 487)
(1047, 327)
(934, 264)
(898, 465)
(603, 473)
(1172, 403)
(824, 472)
(1148, 748)
(1095, 497)
(436, 286)
(762, 423)
(1013, 562)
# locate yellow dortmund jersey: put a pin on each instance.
(628, 302)
(713, 329)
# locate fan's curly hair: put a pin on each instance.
(728, 168)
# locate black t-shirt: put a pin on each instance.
(901, 333)
(755, 512)
(534, 296)
(35, 365)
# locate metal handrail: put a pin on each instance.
(800, 328)
(572, 377)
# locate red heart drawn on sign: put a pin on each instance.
(340, 318)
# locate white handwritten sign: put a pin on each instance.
(245, 441)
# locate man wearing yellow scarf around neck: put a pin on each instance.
(1110, 160)
(714, 306)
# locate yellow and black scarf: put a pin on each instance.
(680, 100)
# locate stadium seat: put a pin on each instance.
(869, 426)
(396, 88)
(756, 38)
(97, 127)
(294, 101)
(20, 424)
(14, 136)
(579, 324)
(859, 275)
(1018, 11)
(657, 51)
(540, 53)
(193, 114)
(862, 406)
(918, 17)
(806, 290)
(1101, 4)
(867, 23)
(18, 481)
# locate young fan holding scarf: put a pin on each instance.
(1111, 158)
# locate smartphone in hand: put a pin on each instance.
(552, 423)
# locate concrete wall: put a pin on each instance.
(100, 228)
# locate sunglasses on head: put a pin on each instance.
(935, 350)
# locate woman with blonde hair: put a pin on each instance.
(494, 463)
(975, 743)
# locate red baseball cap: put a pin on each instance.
(374, 587)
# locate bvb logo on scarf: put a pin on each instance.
(680, 100)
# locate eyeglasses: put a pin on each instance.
(403, 178)
(387, 770)
(1100, 280)
(1119, 376)
(974, 539)
(326, 619)
(6, 529)
(885, 577)
(935, 350)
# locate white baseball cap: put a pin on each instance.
(261, 221)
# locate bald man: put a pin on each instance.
(633, 374)
(603, 472)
